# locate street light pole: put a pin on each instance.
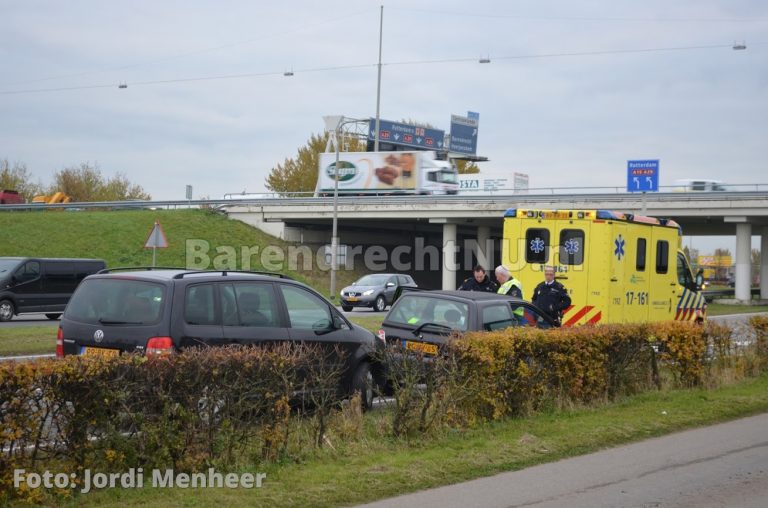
(378, 82)
(334, 232)
(334, 124)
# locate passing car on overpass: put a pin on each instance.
(375, 291)
(425, 320)
(161, 311)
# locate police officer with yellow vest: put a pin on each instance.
(508, 285)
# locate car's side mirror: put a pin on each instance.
(699, 281)
(390, 284)
(323, 326)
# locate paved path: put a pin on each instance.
(724, 465)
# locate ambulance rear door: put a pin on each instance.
(664, 291)
(571, 253)
(637, 275)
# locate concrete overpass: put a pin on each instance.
(444, 221)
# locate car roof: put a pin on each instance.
(179, 274)
(32, 258)
(477, 296)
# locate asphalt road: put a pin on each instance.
(734, 320)
(29, 320)
(724, 465)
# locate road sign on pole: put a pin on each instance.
(404, 134)
(464, 134)
(643, 176)
(156, 240)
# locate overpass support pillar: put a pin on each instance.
(743, 261)
(483, 256)
(764, 264)
(449, 256)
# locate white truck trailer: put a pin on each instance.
(417, 172)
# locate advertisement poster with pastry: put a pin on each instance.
(397, 172)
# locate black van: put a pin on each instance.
(40, 284)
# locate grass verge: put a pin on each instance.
(721, 309)
(372, 323)
(376, 467)
(27, 340)
(118, 237)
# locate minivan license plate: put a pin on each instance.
(100, 351)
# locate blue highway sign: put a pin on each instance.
(643, 176)
(407, 135)
(464, 134)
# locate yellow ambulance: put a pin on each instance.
(617, 267)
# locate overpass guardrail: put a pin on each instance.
(298, 199)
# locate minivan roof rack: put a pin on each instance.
(225, 272)
(136, 268)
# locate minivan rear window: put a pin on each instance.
(117, 301)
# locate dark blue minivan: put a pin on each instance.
(41, 284)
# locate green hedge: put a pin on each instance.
(229, 406)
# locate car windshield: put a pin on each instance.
(116, 301)
(416, 310)
(372, 280)
(7, 265)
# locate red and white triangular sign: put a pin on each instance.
(156, 238)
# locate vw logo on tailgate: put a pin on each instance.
(98, 335)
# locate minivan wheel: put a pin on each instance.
(6, 310)
(362, 381)
(53, 317)
(380, 304)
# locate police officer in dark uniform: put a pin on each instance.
(551, 296)
(478, 282)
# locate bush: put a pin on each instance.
(517, 371)
(759, 326)
(198, 408)
(218, 406)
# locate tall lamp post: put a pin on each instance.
(334, 124)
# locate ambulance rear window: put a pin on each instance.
(571, 246)
(662, 256)
(537, 245)
(640, 261)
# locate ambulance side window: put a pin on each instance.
(537, 245)
(640, 261)
(571, 247)
(662, 256)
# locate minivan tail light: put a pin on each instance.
(159, 346)
(60, 343)
(382, 335)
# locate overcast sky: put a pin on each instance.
(566, 121)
